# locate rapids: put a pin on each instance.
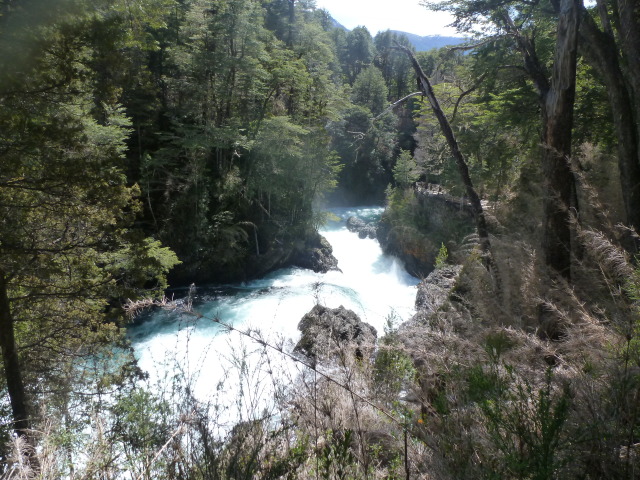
(217, 363)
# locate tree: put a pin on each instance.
(230, 70)
(557, 120)
(514, 20)
(291, 166)
(456, 153)
(405, 171)
(395, 68)
(67, 250)
(366, 146)
(358, 54)
(612, 50)
(369, 90)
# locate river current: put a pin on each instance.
(217, 362)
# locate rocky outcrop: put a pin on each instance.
(355, 224)
(434, 291)
(437, 218)
(434, 302)
(362, 228)
(314, 253)
(328, 331)
(276, 250)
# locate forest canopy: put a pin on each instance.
(148, 143)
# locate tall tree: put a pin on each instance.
(611, 47)
(557, 121)
(358, 54)
(66, 247)
(516, 21)
(370, 90)
(396, 68)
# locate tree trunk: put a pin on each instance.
(600, 50)
(628, 25)
(556, 101)
(557, 126)
(629, 33)
(12, 370)
(463, 169)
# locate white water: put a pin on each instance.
(371, 284)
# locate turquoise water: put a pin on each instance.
(218, 362)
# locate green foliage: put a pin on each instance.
(405, 171)
(526, 427)
(69, 251)
(215, 128)
(394, 370)
(394, 65)
(369, 90)
(442, 257)
(141, 422)
(291, 167)
(484, 384)
(358, 52)
(336, 457)
(495, 156)
(366, 148)
(285, 467)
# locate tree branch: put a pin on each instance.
(397, 102)
(467, 92)
(471, 47)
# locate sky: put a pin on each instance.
(405, 15)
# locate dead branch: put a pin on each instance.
(471, 47)
(397, 102)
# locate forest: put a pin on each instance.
(147, 145)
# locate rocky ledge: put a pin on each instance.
(436, 304)
(437, 218)
(314, 252)
(434, 291)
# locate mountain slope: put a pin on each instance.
(430, 41)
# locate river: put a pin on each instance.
(218, 363)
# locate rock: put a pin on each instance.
(434, 291)
(437, 218)
(316, 255)
(355, 224)
(434, 306)
(325, 331)
(368, 230)
(362, 228)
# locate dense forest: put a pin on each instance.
(149, 143)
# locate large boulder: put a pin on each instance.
(313, 252)
(316, 255)
(362, 228)
(328, 331)
(355, 224)
(368, 231)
